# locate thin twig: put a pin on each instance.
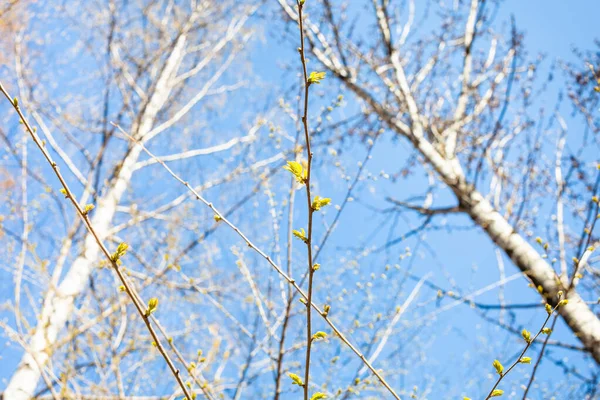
(276, 267)
(529, 341)
(580, 262)
(308, 241)
(84, 216)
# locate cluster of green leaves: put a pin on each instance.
(296, 380)
(299, 172)
(120, 252)
(319, 202)
(152, 306)
(87, 208)
(316, 77)
(526, 335)
(300, 234)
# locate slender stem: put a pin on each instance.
(290, 294)
(287, 276)
(583, 260)
(130, 290)
(309, 204)
(539, 359)
(522, 353)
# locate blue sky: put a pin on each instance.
(552, 28)
(454, 353)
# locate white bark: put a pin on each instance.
(577, 314)
(584, 324)
(59, 301)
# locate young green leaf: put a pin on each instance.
(316, 77)
(319, 202)
(499, 367)
(301, 234)
(526, 335)
(297, 170)
(318, 396)
(563, 302)
(319, 335)
(525, 360)
(296, 380)
(87, 208)
(121, 251)
(152, 306)
(497, 393)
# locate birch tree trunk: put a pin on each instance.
(59, 301)
(406, 118)
(584, 324)
(58, 304)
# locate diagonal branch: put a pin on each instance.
(276, 267)
(140, 307)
